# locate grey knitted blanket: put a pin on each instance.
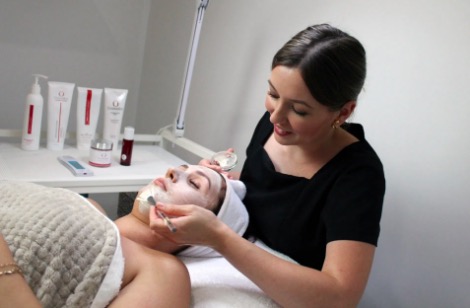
(63, 246)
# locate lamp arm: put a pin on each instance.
(179, 121)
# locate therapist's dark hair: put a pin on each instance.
(332, 63)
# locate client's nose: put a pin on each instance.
(172, 174)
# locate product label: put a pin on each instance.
(60, 96)
(100, 158)
(58, 129)
(88, 107)
(30, 119)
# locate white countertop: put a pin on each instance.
(42, 167)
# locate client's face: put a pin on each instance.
(192, 184)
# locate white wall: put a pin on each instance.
(414, 107)
(169, 32)
(90, 43)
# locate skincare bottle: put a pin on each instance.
(58, 111)
(127, 145)
(33, 117)
(88, 111)
(114, 103)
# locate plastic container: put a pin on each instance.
(101, 153)
(114, 103)
(33, 117)
(58, 112)
(88, 112)
(226, 160)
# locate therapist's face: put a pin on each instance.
(185, 184)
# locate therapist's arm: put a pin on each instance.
(340, 283)
(14, 291)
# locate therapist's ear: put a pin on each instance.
(346, 111)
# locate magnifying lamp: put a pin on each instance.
(179, 122)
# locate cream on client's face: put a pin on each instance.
(192, 184)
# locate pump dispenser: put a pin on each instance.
(33, 116)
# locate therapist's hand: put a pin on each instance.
(214, 166)
(194, 225)
(207, 162)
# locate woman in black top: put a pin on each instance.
(315, 187)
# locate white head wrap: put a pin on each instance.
(232, 212)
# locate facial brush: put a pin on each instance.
(169, 224)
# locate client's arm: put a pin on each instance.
(14, 291)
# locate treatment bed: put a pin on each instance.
(71, 256)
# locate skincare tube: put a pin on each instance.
(88, 111)
(58, 111)
(114, 103)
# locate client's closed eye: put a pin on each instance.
(195, 184)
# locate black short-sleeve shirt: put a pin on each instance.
(299, 216)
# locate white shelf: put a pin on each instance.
(42, 167)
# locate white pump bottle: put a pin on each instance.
(33, 117)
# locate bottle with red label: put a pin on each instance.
(33, 117)
(127, 145)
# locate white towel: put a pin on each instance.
(232, 212)
(216, 283)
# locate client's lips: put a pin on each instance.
(160, 182)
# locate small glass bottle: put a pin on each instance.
(127, 144)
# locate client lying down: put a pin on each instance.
(58, 227)
(185, 184)
(57, 250)
(214, 281)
